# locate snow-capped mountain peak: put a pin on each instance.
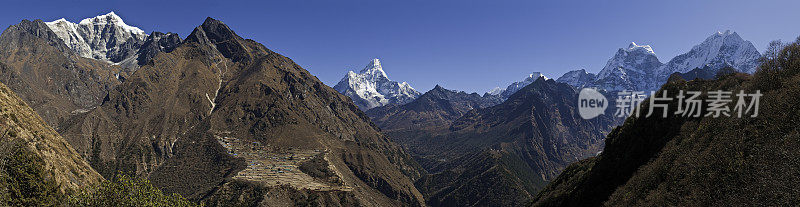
(577, 78)
(62, 20)
(535, 75)
(516, 86)
(631, 68)
(719, 50)
(637, 67)
(371, 87)
(495, 91)
(111, 18)
(374, 70)
(633, 47)
(105, 37)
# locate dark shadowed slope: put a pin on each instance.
(496, 156)
(503, 155)
(704, 161)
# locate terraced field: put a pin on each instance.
(274, 166)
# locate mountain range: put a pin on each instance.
(462, 140)
(637, 67)
(224, 121)
(211, 117)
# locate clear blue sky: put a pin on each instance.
(464, 45)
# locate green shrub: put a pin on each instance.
(22, 179)
(126, 191)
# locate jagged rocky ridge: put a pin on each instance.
(371, 88)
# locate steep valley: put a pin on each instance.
(500, 155)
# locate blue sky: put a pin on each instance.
(465, 45)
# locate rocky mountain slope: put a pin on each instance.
(438, 107)
(32, 155)
(680, 161)
(371, 88)
(50, 77)
(503, 155)
(247, 126)
(499, 155)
